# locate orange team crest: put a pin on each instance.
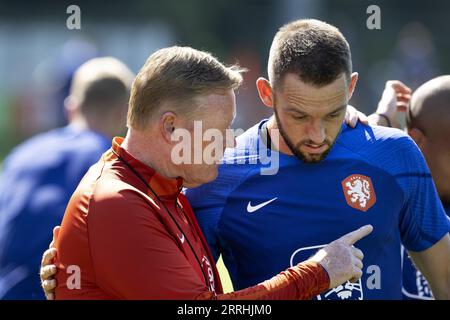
(359, 192)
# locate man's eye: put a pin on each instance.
(300, 117)
(333, 116)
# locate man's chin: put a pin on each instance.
(197, 183)
(312, 157)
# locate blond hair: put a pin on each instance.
(177, 74)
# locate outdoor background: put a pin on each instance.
(38, 54)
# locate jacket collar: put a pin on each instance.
(162, 186)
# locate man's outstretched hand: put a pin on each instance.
(341, 259)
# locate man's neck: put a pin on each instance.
(137, 145)
(276, 137)
(81, 123)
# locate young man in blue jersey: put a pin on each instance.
(40, 175)
(329, 179)
(428, 124)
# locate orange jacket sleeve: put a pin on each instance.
(301, 282)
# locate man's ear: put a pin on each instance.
(417, 135)
(71, 107)
(265, 91)
(353, 81)
(167, 125)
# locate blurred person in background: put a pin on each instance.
(39, 176)
(428, 123)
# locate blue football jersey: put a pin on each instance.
(36, 182)
(264, 223)
(415, 286)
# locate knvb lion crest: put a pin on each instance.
(359, 192)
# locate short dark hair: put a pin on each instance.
(314, 50)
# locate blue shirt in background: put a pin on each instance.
(37, 181)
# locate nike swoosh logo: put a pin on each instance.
(251, 208)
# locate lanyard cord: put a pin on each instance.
(168, 211)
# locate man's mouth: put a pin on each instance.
(315, 148)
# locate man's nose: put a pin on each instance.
(316, 132)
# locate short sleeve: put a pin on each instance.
(423, 221)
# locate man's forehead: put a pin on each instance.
(299, 93)
(218, 107)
